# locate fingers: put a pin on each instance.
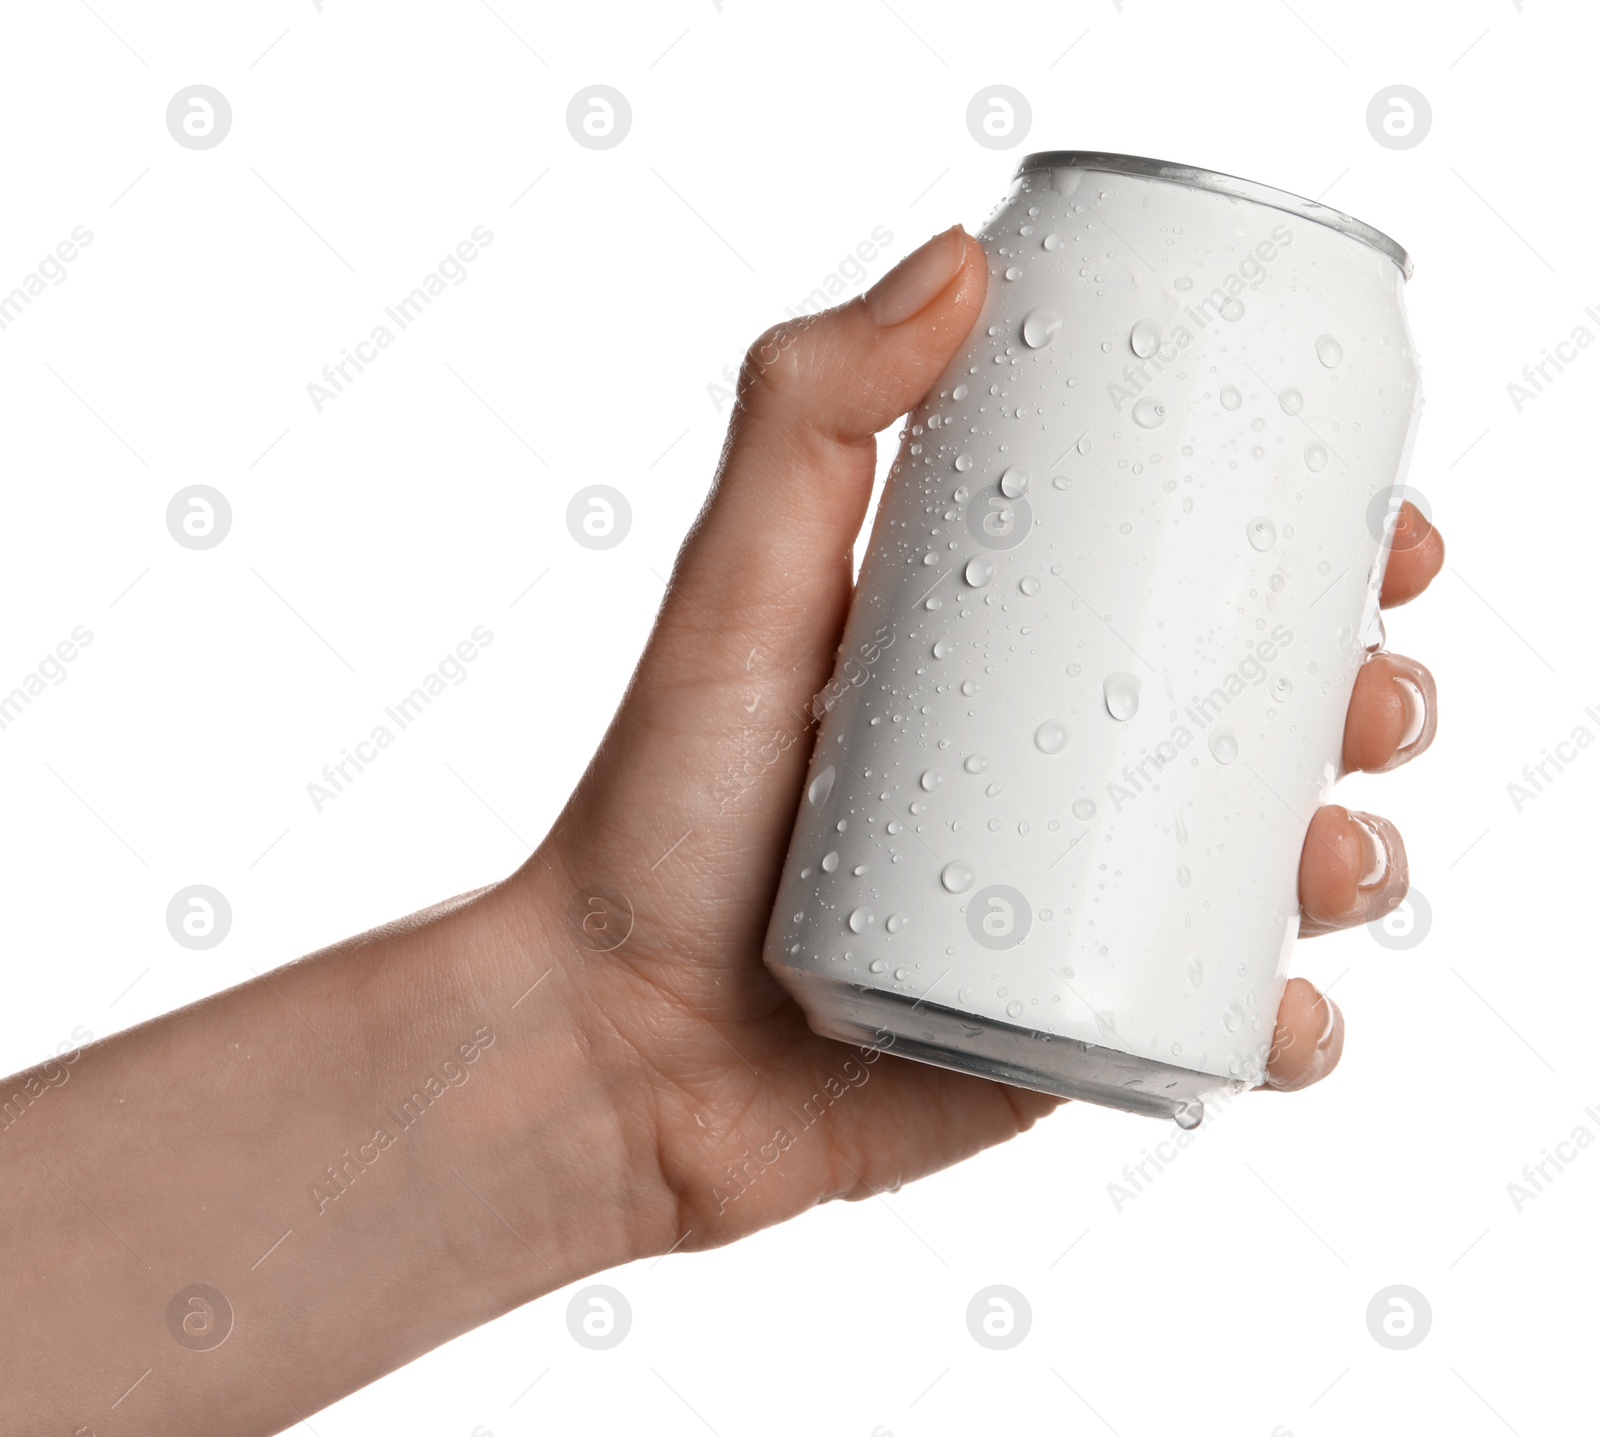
(1416, 554)
(1352, 870)
(1308, 1039)
(1394, 710)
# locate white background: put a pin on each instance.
(767, 140)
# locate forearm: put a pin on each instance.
(366, 1153)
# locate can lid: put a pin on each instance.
(1223, 185)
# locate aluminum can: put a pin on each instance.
(1093, 683)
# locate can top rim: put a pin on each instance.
(1222, 184)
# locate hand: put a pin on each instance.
(685, 815)
(375, 1149)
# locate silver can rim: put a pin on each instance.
(1219, 183)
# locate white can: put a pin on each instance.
(1094, 680)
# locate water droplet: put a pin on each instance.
(1183, 284)
(1261, 532)
(1329, 350)
(1145, 337)
(860, 870)
(956, 877)
(975, 763)
(1281, 688)
(959, 393)
(969, 687)
(1014, 482)
(1316, 457)
(963, 462)
(1230, 397)
(895, 922)
(1050, 737)
(1106, 1022)
(1291, 401)
(1197, 972)
(1232, 1017)
(1029, 586)
(1189, 1115)
(860, 920)
(1223, 745)
(1083, 809)
(993, 791)
(830, 862)
(878, 965)
(821, 786)
(1084, 445)
(1053, 241)
(1122, 695)
(1014, 272)
(1013, 1009)
(1073, 670)
(1184, 877)
(930, 780)
(1040, 327)
(979, 572)
(1149, 413)
(1232, 310)
(1180, 830)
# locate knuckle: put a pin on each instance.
(778, 365)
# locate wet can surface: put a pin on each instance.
(1093, 683)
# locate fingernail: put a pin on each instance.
(1385, 875)
(1323, 1057)
(1419, 701)
(913, 284)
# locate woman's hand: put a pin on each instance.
(253, 1206)
(674, 866)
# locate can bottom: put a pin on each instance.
(1004, 1052)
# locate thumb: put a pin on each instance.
(767, 567)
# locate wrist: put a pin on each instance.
(558, 1137)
